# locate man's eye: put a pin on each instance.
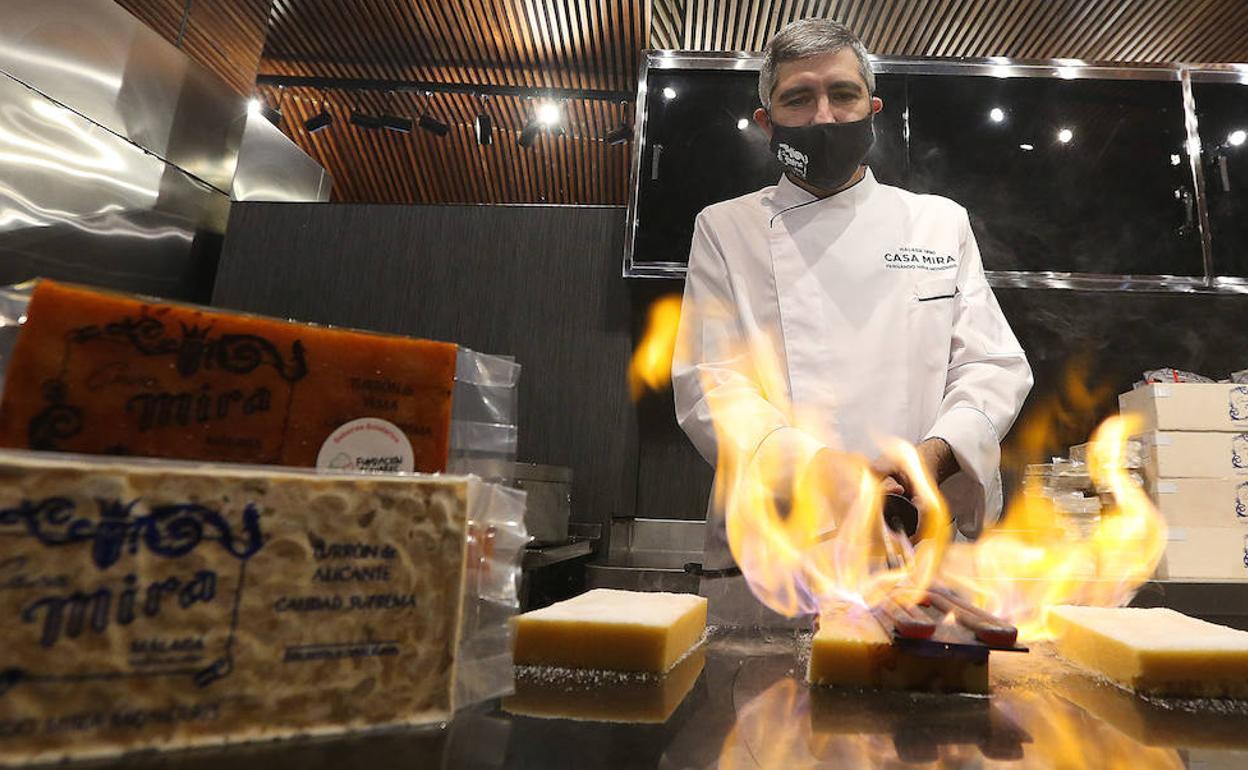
(797, 100)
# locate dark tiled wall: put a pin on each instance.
(543, 283)
(540, 283)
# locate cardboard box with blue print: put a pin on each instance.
(1188, 406)
(1205, 553)
(1210, 455)
(1196, 502)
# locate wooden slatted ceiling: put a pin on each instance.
(597, 45)
(383, 166)
(578, 44)
(1094, 30)
(163, 16)
(226, 36)
(590, 44)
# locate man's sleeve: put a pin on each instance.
(988, 379)
(713, 366)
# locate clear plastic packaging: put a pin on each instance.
(1132, 455)
(483, 416)
(1167, 374)
(13, 301)
(496, 540)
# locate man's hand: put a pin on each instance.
(937, 458)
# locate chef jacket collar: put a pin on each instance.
(788, 196)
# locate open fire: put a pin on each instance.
(804, 519)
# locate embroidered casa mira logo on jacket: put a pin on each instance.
(917, 258)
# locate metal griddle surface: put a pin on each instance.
(750, 708)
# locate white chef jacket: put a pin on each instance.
(876, 305)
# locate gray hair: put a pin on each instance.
(805, 39)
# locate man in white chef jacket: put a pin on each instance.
(873, 298)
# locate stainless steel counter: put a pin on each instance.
(748, 707)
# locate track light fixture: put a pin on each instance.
(387, 120)
(549, 118)
(434, 126)
(620, 134)
(260, 106)
(364, 120)
(430, 123)
(623, 132)
(319, 121)
(528, 135)
(396, 123)
(392, 122)
(483, 126)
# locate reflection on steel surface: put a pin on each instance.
(271, 167)
(118, 154)
(79, 203)
(95, 58)
(751, 708)
(1042, 713)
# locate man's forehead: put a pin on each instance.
(839, 66)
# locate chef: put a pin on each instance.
(872, 299)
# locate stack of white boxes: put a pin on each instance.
(1195, 445)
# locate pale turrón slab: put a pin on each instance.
(1156, 651)
(251, 603)
(613, 630)
(851, 649)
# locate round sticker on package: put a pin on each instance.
(367, 445)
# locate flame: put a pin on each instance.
(651, 367)
(1060, 418)
(804, 519)
(1030, 561)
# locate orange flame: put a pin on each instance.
(804, 520)
(651, 367)
(1030, 562)
(1059, 418)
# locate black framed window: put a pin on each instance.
(702, 146)
(1086, 175)
(1222, 118)
(1080, 176)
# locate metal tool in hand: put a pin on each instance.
(901, 515)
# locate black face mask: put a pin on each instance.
(825, 155)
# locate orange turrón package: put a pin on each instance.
(105, 373)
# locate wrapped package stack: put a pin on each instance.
(1194, 441)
